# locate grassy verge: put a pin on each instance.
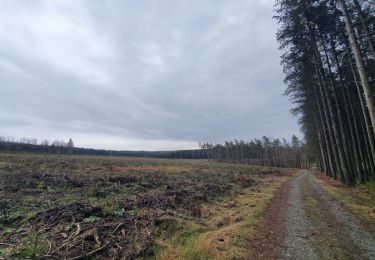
(325, 235)
(225, 228)
(359, 199)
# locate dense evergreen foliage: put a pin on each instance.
(329, 55)
(266, 151)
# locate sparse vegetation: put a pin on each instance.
(69, 206)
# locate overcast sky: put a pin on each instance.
(141, 74)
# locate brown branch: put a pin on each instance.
(90, 253)
(118, 226)
(6, 244)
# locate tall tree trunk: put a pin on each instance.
(323, 161)
(360, 64)
(325, 134)
(343, 149)
(340, 157)
(365, 27)
(358, 168)
(364, 110)
(336, 164)
(367, 146)
(325, 105)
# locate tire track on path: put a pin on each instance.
(304, 222)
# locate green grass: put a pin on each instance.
(91, 219)
(178, 240)
(34, 247)
(69, 198)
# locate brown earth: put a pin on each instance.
(269, 235)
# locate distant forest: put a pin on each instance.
(265, 151)
(329, 61)
(10, 144)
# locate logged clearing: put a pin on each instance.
(103, 207)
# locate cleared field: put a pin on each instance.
(81, 207)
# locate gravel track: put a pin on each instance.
(323, 230)
(352, 226)
(297, 227)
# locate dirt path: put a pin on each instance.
(314, 226)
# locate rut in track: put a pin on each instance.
(316, 227)
(304, 222)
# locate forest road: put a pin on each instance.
(317, 227)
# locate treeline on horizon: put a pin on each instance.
(265, 151)
(329, 61)
(10, 144)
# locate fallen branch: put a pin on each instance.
(50, 247)
(6, 244)
(90, 253)
(49, 257)
(78, 230)
(97, 239)
(118, 226)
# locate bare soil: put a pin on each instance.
(269, 235)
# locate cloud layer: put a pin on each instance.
(141, 74)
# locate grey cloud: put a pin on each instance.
(141, 72)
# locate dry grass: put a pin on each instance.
(153, 168)
(226, 227)
(359, 199)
